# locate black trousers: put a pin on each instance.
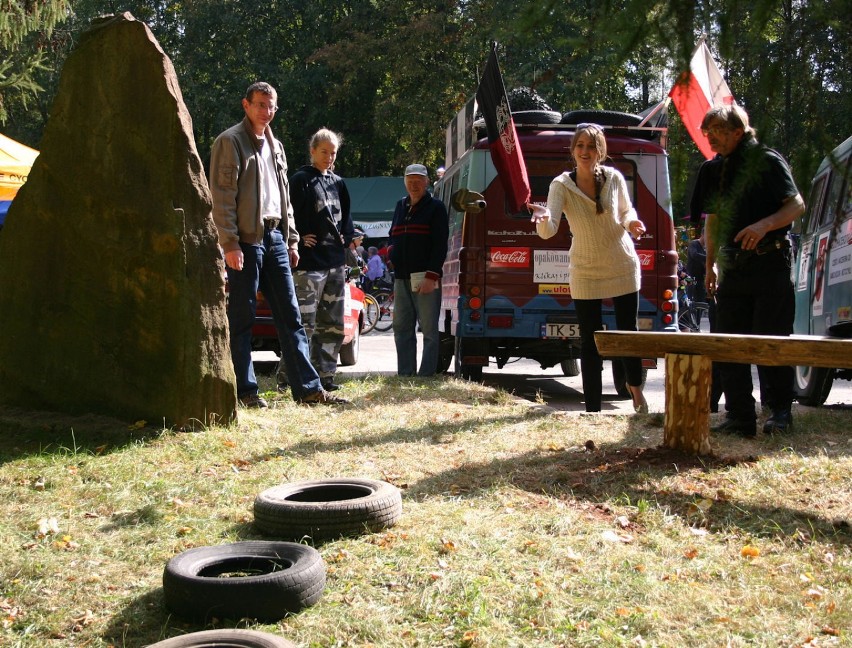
(590, 319)
(756, 298)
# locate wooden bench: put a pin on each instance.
(688, 366)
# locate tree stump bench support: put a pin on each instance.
(689, 360)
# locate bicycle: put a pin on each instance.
(688, 320)
(690, 311)
(372, 313)
(384, 298)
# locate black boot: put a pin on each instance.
(779, 422)
(329, 385)
(744, 427)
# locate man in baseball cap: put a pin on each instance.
(418, 247)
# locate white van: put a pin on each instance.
(823, 269)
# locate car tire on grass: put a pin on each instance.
(225, 639)
(256, 579)
(327, 508)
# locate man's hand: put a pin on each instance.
(234, 259)
(710, 281)
(309, 240)
(750, 236)
(427, 286)
(294, 256)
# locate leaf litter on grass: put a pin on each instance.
(516, 530)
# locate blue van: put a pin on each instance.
(822, 274)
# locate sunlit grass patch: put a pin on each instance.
(521, 526)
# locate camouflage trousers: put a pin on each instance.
(321, 295)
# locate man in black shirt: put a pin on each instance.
(750, 199)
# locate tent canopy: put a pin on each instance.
(15, 163)
(373, 202)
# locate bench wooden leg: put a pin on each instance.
(687, 426)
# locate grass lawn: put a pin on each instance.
(521, 526)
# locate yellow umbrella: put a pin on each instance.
(16, 159)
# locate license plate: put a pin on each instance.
(552, 330)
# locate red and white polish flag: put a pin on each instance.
(698, 90)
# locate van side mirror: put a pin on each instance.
(468, 201)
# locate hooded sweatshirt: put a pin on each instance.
(321, 206)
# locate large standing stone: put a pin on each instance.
(112, 293)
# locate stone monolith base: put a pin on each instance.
(111, 282)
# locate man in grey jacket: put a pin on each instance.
(252, 212)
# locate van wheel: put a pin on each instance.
(570, 367)
(233, 638)
(469, 372)
(813, 385)
(536, 117)
(259, 580)
(619, 379)
(601, 117)
(327, 508)
(349, 352)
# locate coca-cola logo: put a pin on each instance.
(516, 257)
(646, 259)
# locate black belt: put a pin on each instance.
(271, 223)
(772, 244)
(733, 256)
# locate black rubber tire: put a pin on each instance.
(225, 639)
(473, 373)
(570, 367)
(812, 385)
(536, 117)
(349, 352)
(323, 509)
(285, 578)
(619, 379)
(600, 117)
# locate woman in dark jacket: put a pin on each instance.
(321, 208)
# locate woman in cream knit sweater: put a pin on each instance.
(603, 262)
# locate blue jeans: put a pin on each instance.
(267, 266)
(409, 309)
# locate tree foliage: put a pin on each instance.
(391, 74)
(24, 26)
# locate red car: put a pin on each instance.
(265, 337)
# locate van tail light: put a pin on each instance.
(668, 306)
(475, 302)
(668, 294)
(668, 319)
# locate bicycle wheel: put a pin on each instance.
(385, 300)
(371, 313)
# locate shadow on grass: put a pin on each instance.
(146, 620)
(27, 433)
(623, 473)
(626, 471)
